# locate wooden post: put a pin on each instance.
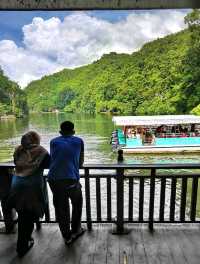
(109, 204)
(120, 157)
(141, 199)
(120, 203)
(151, 202)
(162, 199)
(172, 199)
(87, 200)
(183, 199)
(98, 199)
(130, 204)
(194, 199)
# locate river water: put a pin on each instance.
(95, 131)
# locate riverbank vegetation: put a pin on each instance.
(13, 102)
(163, 77)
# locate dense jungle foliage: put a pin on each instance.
(161, 78)
(12, 98)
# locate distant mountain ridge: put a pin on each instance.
(149, 81)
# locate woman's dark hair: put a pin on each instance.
(66, 127)
(30, 138)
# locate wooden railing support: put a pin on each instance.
(169, 182)
(120, 200)
(120, 203)
(151, 201)
(87, 200)
(194, 199)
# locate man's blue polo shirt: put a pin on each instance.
(65, 154)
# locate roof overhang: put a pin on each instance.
(155, 120)
(96, 4)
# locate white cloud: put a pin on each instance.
(51, 45)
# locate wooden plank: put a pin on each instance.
(162, 199)
(87, 200)
(192, 238)
(183, 199)
(172, 199)
(174, 245)
(100, 252)
(188, 245)
(109, 204)
(156, 250)
(194, 199)
(141, 199)
(170, 244)
(112, 253)
(151, 200)
(139, 251)
(130, 203)
(164, 256)
(120, 201)
(98, 198)
(95, 4)
(88, 247)
(49, 239)
(126, 249)
(53, 248)
(151, 243)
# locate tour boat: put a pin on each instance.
(156, 134)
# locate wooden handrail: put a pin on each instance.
(111, 195)
(128, 166)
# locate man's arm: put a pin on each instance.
(81, 160)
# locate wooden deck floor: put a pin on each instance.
(168, 244)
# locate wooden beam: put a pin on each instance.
(96, 4)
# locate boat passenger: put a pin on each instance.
(129, 133)
(120, 157)
(192, 134)
(183, 134)
(148, 138)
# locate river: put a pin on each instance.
(95, 131)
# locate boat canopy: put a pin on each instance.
(156, 120)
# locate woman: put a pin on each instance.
(27, 195)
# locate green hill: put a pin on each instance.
(12, 98)
(150, 81)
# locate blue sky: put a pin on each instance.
(34, 44)
(12, 21)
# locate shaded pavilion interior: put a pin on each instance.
(168, 244)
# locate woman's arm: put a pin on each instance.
(46, 161)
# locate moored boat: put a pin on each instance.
(156, 134)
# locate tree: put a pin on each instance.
(191, 84)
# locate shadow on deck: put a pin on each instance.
(168, 244)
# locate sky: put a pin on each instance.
(38, 43)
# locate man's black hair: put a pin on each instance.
(66, 127)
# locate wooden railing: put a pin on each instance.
(139, 193)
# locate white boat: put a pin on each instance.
(156, 134)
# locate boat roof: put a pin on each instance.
(156, 120)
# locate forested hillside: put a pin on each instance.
(12, 98)
(161, 78)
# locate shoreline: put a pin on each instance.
(7, 117)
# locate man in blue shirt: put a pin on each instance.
(67, 156)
